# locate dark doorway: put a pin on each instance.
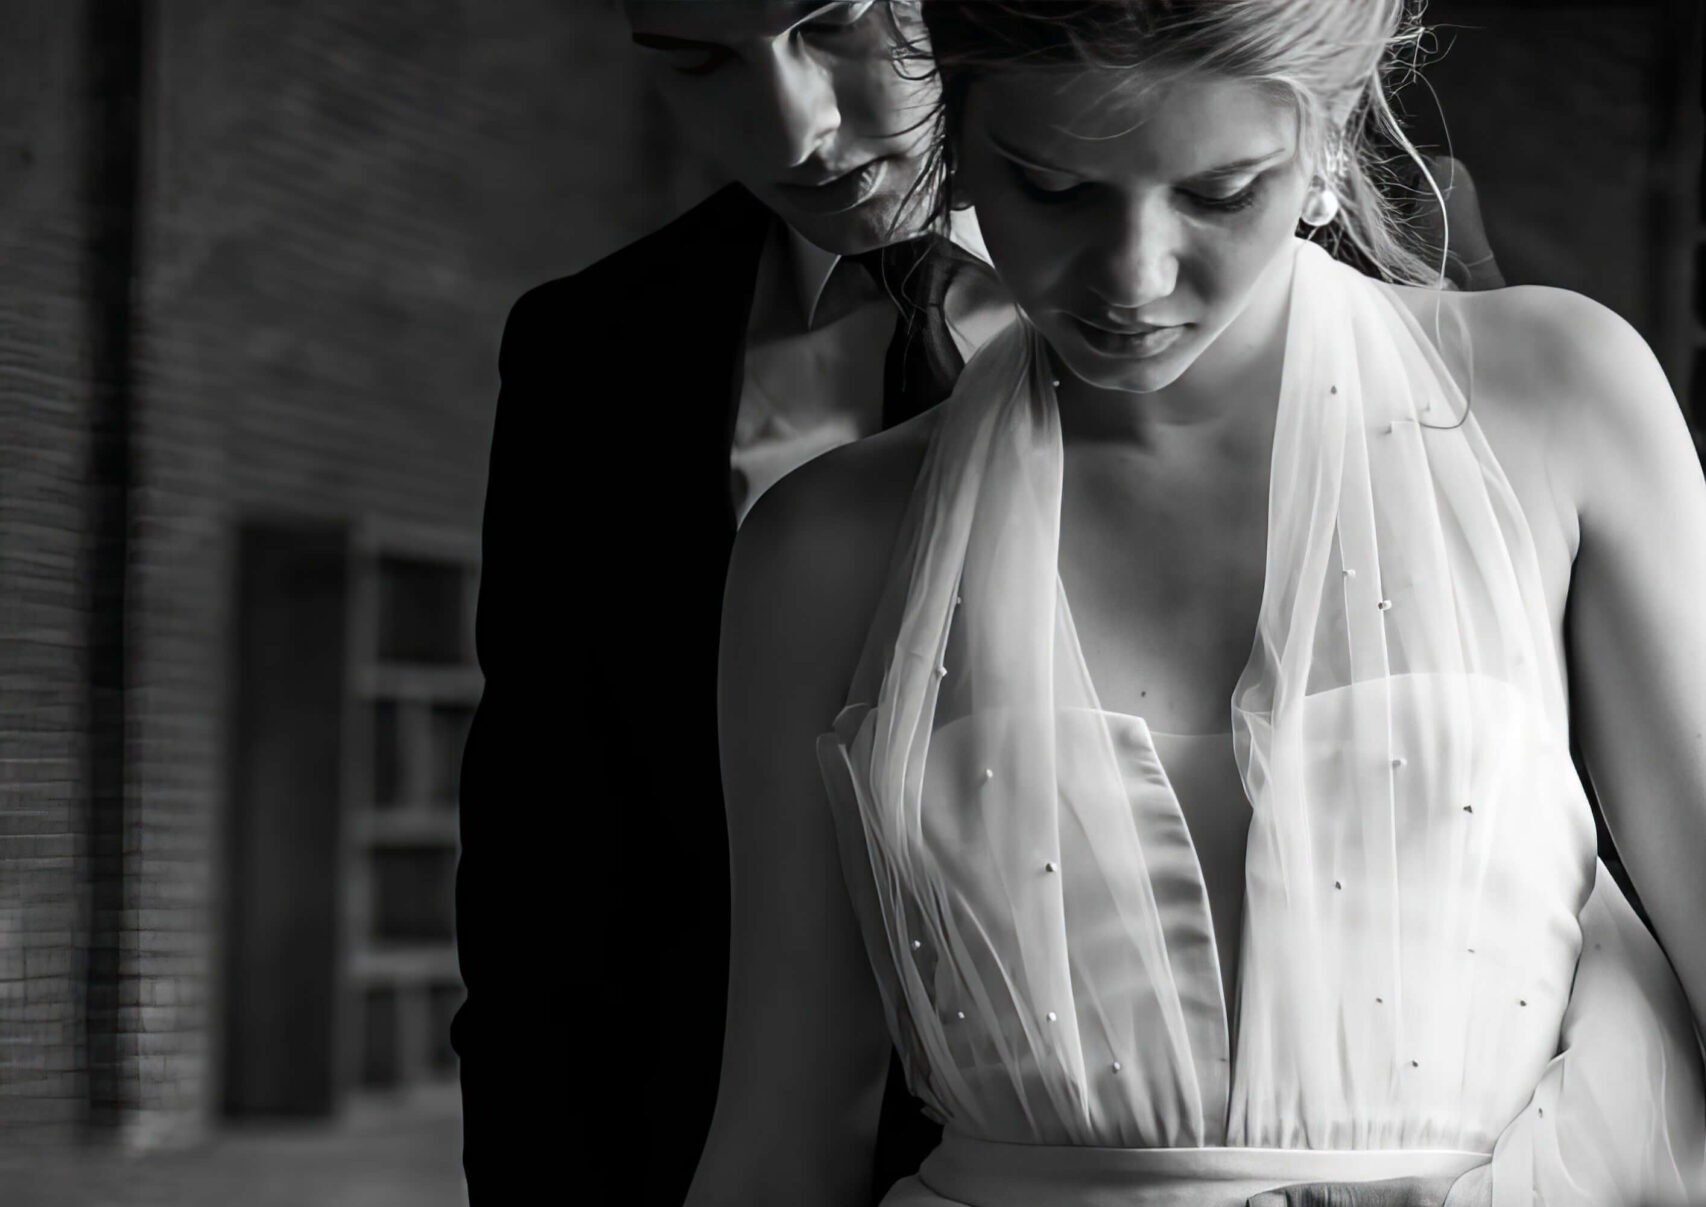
(288, 693)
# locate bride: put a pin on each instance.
(1165, 744)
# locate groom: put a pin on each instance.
(645, 403)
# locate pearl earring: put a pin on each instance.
(1321, 205)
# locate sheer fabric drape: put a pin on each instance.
(1419, 847)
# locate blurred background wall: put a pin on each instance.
(1580, 122)
(254, 264)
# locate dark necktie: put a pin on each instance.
(922, 362)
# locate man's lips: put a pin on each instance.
(834, 194)
(829, 177)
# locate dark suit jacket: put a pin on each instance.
(592, 893)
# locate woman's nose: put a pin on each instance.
(1142, 260)
(799, 92)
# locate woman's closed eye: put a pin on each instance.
(1054, 187)
(1226, 202)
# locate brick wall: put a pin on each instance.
(342, 202)
(339, 204)
(44, 397)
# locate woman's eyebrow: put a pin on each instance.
(1235, 167)
(1238, 167)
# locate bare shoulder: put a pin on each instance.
(811, 560)
(1529, 340)
(824, 520)
(1560, 372)
(1581, 370)
(1547, 337)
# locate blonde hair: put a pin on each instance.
(1333, 60)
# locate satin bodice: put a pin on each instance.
(981, 1035)
(1473, 994)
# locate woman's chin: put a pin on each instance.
(1136, 375)
(1139, 365)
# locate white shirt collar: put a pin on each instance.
(812, 265)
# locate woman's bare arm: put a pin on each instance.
(1584, 387)
(806, 1050)
(1637, 615)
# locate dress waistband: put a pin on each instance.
(985, 1173)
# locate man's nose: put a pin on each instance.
(800, 94)
(1143, 266)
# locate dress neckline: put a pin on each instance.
(1400, 625)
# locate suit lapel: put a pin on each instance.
(712, 274)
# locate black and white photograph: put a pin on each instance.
(853, 603)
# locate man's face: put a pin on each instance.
(803, 103)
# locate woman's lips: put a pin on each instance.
(846, 191)
(1140, 341)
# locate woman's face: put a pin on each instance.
(1133, 225)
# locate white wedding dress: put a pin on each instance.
(1420, 853)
